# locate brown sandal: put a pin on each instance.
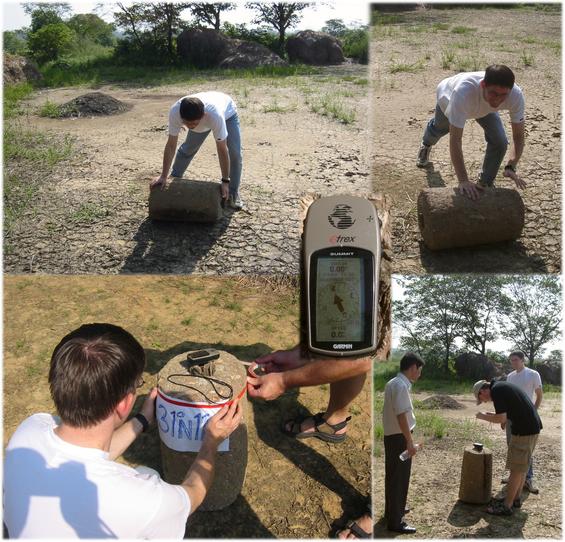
(319, 422)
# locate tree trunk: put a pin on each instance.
(217, 22)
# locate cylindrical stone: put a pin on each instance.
(231, 465)
(476, 476)
(448, 219)
(186, 201)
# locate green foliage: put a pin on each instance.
(51, 41)
(50, 109)
(14, 43)
(89, 26)
(356, 44)
(88, 213)
(13, 94)
(462, 30)
(431, 424)
(527, 58)
(261, 35)
(335, 27)
(210, 13)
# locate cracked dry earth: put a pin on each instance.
(418, 44)
(91, 215)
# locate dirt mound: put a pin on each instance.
(18, 69)
(442, 401)
(93, 104)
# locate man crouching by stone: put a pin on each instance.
(511, 404)
(61, 479)
(201, 113)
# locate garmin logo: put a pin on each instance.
(341, 346)
(339, 239)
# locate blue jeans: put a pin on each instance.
(193, 142)
(530, 473)
(495, 136)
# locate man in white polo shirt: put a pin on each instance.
(529, 381)
(61, 479)
(398, 424)
(201, 114)
(479, 96)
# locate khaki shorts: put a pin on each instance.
(520, 450)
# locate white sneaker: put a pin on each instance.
(236, 203)
(424, 156)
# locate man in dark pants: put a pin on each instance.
(398, 424)
(511, 404)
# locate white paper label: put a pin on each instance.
(182, 424)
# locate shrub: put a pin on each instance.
(51, 41)
(356, 45)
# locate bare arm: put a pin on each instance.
(467, 188)
(539, 397)
(129, 431)
(518, 141)
(224, 159)
(516, 150)
(201, 474)
(168, 156)
(272, 385)
(492, 418)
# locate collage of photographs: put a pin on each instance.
(339, 316)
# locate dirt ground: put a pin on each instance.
(91, 216)
(436, 470)
(293, 489)
(410, 55)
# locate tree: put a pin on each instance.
(43, 13)
(430, 313)
(335, 27)
(210, 13)
(480, 309)
(50, 42)
(14, 43)
(155, 24)
(91, 26)
(532, 313)
(281, 16)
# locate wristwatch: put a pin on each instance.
(224, 180)
(143, 421)
(510, 167)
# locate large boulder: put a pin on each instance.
(470, 366)
(248, 54)
(18, 69)
(315, 48)
(203, 47)
(206, 48)
(550, 373)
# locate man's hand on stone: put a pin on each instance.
(520, 183)
(268, 387)
(159, 181)
(471, 190)
(148, 407)
(223, 423)
(281, 360)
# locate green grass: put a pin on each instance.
(29, 156)
(275, 107)
(104, 71)
(447, 59)
(463, 30)
(330, 105)
(431, 424)
(88, 213)
(233, 306)
(527, 58)
(406, 67)
(186, 321)
(50, 109)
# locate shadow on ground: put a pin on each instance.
(172, 247)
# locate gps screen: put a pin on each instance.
(340, 299)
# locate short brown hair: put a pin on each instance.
(92, 369)
(518, 354)
(409, 359)
(191, 108)
(499, 75)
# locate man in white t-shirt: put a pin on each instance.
(61, 479)
(201, 114)
(479, 96)
(398, 425)
(529, 381)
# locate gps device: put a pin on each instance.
(341, 250)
